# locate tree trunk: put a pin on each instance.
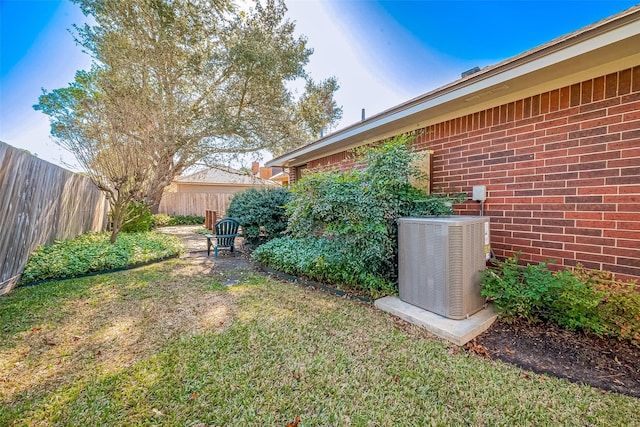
(114, 235)
(117, 218)
(163, 178)
(154, 208)
(155, 197)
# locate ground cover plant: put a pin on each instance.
(344, 222)
(591, 301)
(168, 344)
(93, 252)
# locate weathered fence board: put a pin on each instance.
(194, 203)
(40, 202)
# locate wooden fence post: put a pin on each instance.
(210, 219)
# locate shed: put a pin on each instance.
(208, 189)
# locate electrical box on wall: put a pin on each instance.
(479, 193)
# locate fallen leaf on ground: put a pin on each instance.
(295, 423)
(473, 347)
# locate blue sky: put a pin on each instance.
(382, 53)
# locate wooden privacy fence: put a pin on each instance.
(195, 203)
(41, 202)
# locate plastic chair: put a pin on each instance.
(226, 232)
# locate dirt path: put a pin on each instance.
(197, 250)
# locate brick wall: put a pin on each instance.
(343, 160)
(562, 170)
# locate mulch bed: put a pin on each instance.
(542, 348)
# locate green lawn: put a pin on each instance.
(168, 345)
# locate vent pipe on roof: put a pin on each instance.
(363, 114)
(469, 72)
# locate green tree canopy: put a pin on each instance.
(175, 82)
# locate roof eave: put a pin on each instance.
(597, 36)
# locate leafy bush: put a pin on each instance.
(160, 220)
(357, 210)
(260, 212)
(574, 305)
(323, 260)
(592, 301)
(620, 307)
(92, 252)
(620, 312)
(519, 291)
(138, 218)
(164, 220)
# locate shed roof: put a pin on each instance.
(224, 175)
(280, 177)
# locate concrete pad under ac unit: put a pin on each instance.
(458, 332)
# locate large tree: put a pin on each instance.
(175, 82)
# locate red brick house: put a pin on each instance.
(553, 134)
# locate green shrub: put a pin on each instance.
(92, 252)
(588, 300)
(357, 210)
(322, 260)
(620, 308)
(138, 218)
(574, 305)
(188, 220)
(260, 212)
(160, 220)
(519, 291)
(620, 312)
(164, 220)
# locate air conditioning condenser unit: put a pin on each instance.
(440, 261)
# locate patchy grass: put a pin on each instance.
(168, 344)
